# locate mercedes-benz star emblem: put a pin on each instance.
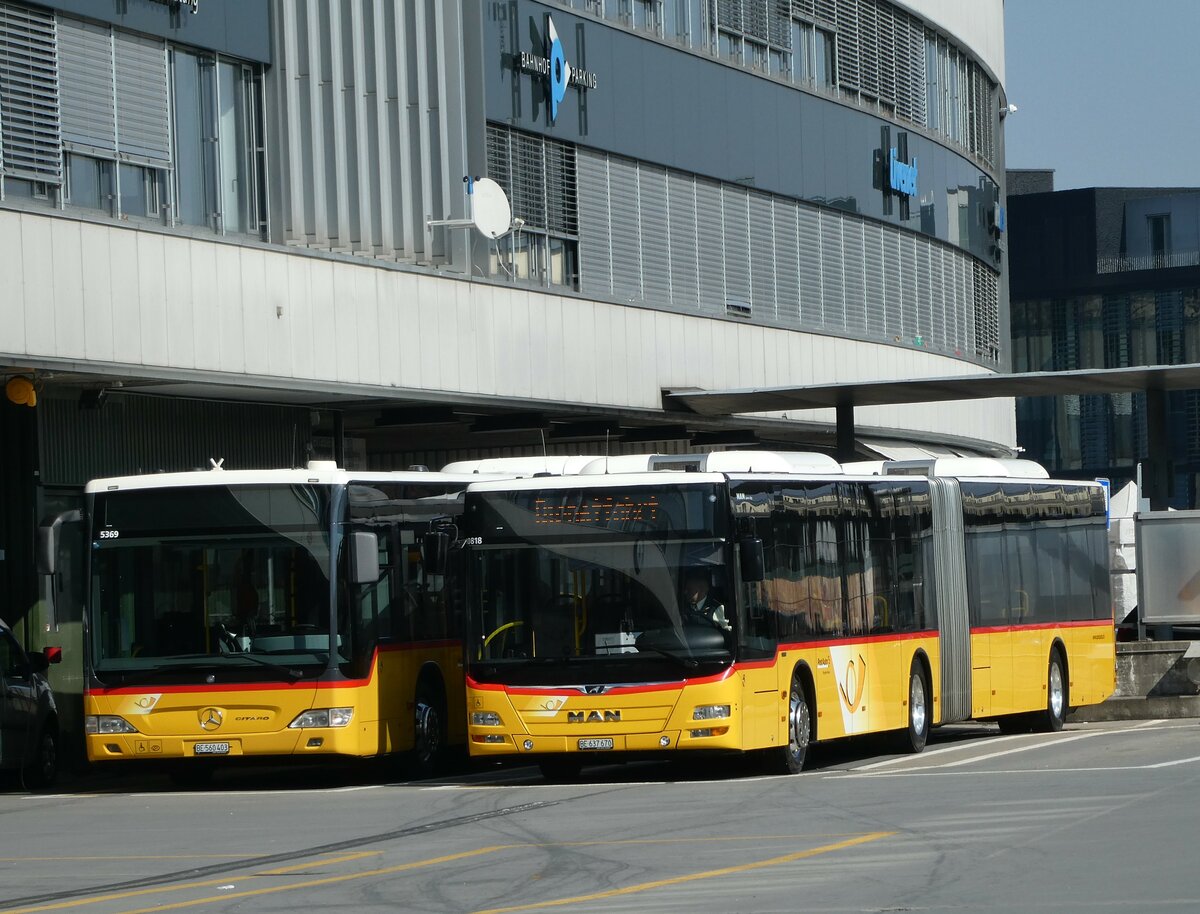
(211, 719)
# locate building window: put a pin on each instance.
(1159, 226)
(218, 143)
(539, 177)
(89, 183)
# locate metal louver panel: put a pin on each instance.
(825, 11)
(812, 299)
(595, 245)
(847, 44)
(30, 140)
(926, 285)
(854, 239)
(626, 229)
(89, 122)
(787, 263)
(143, 122)
(876, 266)
(528, 166)
(909, 279)
(685, 270)
(780, 24)
(833, 285)
(754, 15)
(763, 256)
(868, 48)
(885, 21)
(498, 158)
(710, 245)
(729, 15)
(656, 243)
(985, 292)
(736, 218)
(561, 195)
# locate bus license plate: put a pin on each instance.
(212, 748)
(605, 743)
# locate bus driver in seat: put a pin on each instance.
(699, 603)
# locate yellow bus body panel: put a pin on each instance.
(254, 718)
(860, 686)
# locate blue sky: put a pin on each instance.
(1108, 91)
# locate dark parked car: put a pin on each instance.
(28, 716)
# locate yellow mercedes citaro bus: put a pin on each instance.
(269, 613)
(759, 602)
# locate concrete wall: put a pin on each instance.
(176, 307)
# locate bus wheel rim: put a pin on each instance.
(798, 735)
(427, 731)
(1056, 690)
(916, 702)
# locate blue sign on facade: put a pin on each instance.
(902, 177)
(556, 70)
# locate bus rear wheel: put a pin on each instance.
(913, 738)
(790, 759)
(1051, 720)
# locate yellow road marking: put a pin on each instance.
(707, 874)
(117, 896)
(450, 858)
(327, 880)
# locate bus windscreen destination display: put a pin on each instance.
(598, 510)
(671, 510)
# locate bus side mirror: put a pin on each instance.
(364, 557)
(435, 551)
(750, 551)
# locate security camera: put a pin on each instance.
(1010, 109)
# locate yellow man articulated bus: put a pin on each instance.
(269, 613)
(763, 601)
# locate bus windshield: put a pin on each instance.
(597, 584)
(207, 583)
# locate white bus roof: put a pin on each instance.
(318, 472)
(554, 464)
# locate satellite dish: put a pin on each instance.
(489, 208)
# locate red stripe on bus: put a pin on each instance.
(1040, 626)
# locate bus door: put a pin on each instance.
(949, 563)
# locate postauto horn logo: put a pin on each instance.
(556, 70)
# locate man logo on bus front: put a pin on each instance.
(211, 719)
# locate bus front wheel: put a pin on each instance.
(790, 758)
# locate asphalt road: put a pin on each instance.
(1099, 817)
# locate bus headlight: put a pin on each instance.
(107, 723)
(710, 712)
(322, 717)
(485, 719)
